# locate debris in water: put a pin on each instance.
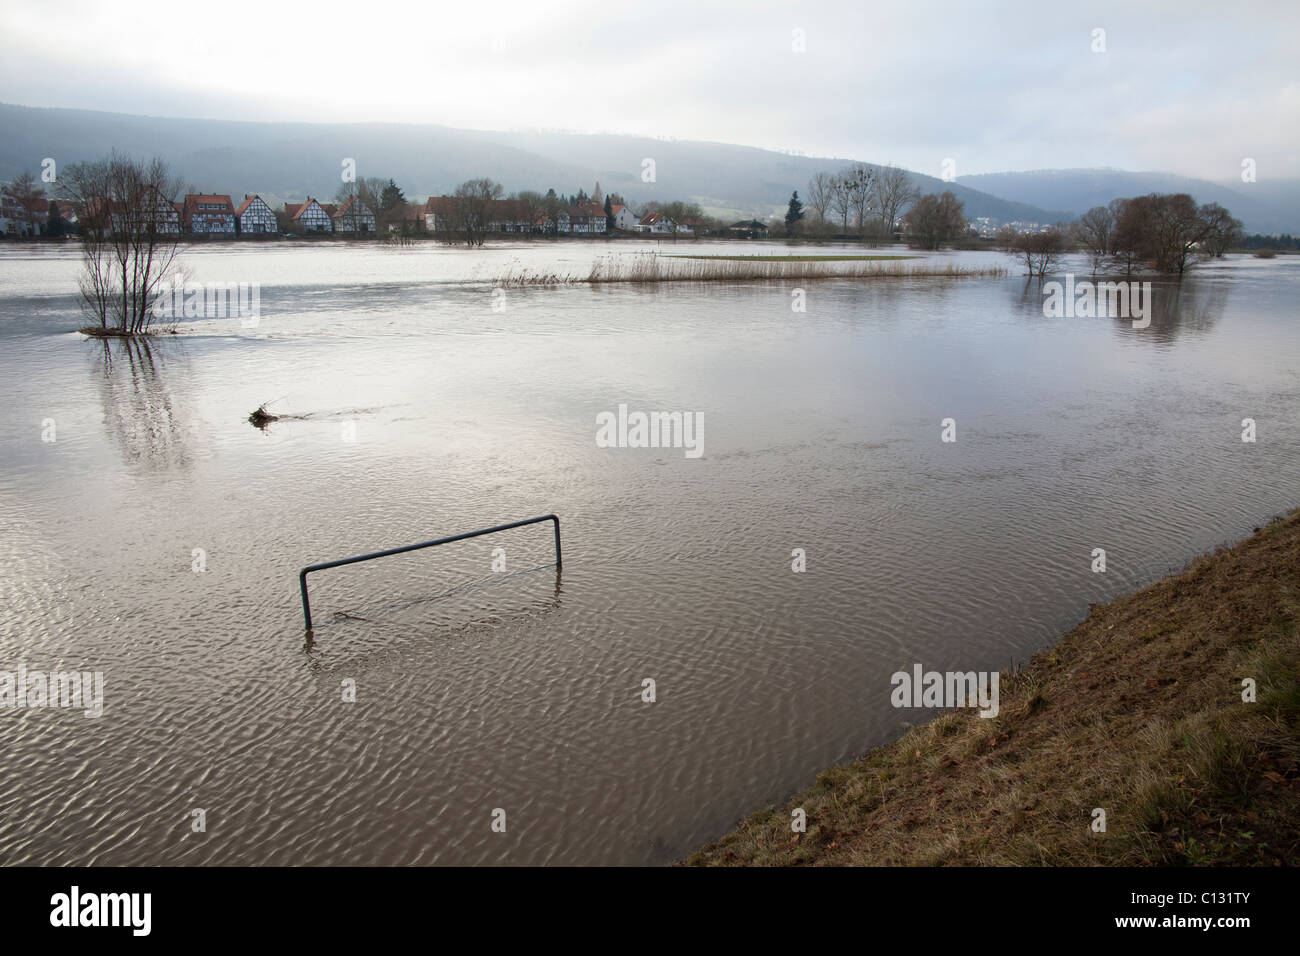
(261, 417)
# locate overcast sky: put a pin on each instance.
(1190, 88)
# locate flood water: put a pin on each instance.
(418, 406)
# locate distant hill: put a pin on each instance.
(1267, 205)
(288, 161)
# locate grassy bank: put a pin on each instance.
(1137, 711)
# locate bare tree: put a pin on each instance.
(130, 237)
(472, 208)
(1005, 239)
(1175, 231)
(1095, 232)
(935, 220)
(819, 194)
(1168, 232)
(841, 200)
(23, 193)
(1222, 231)
(858, 180)
(366, 198)
(529, 207)
(1040, 251)
(678, 213)
(552, 207)
(1128, 242)
(894, 194)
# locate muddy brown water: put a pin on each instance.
(418, 406)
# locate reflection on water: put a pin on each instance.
(1172, 308)
(412, 410)
(399, 615)
(141, 414)
(1179, 308)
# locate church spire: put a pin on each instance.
(596, 197)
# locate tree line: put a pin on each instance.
(1161, 232)
(861, 200)
(1164, 233)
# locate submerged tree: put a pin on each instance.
(1095, 232)
(130, 231)
(1168, 232)
(1222, 231)
(1040, 251)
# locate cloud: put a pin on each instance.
(1189, 88)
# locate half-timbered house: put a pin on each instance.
(310, 216)
(254, 217)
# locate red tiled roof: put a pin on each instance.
(348, 205)
(248, 201)
(193, 199)
(296, 209)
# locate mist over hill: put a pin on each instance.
(1267, 205)
(289, 161)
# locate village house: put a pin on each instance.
(353, 216)
(153, 212)
(438, 213)
(588, 218)
(310, 216)
(23, 219)
(747, 229)
(558, 224)
(502, 215)
(624, 219)
(11, 217)
(656, 224)
(47, 210)
(653, 222)
(411, 220)
(209, 214)
(255, 217)
(66, 210)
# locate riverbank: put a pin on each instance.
(1138, 711)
